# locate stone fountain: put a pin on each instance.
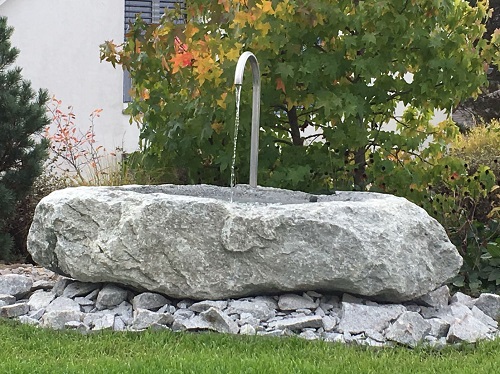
(194, 242)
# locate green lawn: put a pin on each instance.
(25, 349)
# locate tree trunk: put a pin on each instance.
(360, 170)
(294, 126)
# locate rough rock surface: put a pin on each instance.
(320, 316)
(203, 246)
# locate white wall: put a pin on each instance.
(59, 43)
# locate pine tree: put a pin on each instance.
(22, 149)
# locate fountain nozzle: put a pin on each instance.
(254, 139)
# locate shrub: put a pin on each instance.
(330, 72)
(480, 146)
(23, 216)
(74, 154)
(74, 160)
(463, 198)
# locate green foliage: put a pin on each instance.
(462, 195)
(22, 217)
(332, 75)
(22, 118)
(480, 146)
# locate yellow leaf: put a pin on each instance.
(264, 27)
(191, 30)
(240, 18)
(267, 7)
(222, 101)
(164, 29)
(145, 94)
(217, 127)
(234, 53)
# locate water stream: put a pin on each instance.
(235, 140)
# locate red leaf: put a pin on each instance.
(280, 85)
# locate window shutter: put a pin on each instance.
(142, 7)
(151, 12)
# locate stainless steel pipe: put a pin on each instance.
(254, 138)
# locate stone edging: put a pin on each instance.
(437, 319)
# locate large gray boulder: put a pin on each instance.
(193, 242)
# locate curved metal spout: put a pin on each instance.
(254, 139)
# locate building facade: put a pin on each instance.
(59, 51)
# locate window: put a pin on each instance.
(151, 12)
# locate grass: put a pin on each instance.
(25, 349)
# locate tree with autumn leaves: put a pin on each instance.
(332, 76)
